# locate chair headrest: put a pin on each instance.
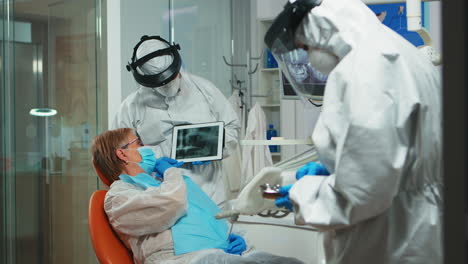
(101, 175)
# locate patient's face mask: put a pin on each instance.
(148, 160)
(322, 60)
(170, 89)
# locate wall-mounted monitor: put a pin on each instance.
(303, 73)
(287, 91)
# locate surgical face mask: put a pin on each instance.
(169, 89)
(148, 160)
(322, 60)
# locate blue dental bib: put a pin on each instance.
(199, 229)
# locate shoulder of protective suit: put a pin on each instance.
(129, 105)
(202, 82)
(118, 193)
(131, 97)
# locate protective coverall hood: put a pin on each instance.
(324, 61)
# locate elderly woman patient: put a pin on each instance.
(161, 215)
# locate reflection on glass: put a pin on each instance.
(301, 76)
(52, 69)
(203, 30)
(301, 70)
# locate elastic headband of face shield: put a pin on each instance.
(162, 78)
(285, 25)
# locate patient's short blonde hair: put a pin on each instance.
(104, 154)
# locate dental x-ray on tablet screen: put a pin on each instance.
(199, 142)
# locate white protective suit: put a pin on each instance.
(143, 221)
(197, 101)
(379, 135)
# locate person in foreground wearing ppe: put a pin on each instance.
(166, 218)
(376, 193)
(166, 97)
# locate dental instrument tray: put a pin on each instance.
(198, 142)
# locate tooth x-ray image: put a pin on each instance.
(198, 142)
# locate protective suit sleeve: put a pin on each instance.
(367, 133)
(137, 212)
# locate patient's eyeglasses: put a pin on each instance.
(137, 140)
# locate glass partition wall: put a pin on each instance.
(203, 30)
(54, 100)
(49, 114)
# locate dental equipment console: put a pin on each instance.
(268, 191)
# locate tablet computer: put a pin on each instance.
(198, 142)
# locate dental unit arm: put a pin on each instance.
(251, 200)
(284, 173)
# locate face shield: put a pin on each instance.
(306, 80)
(151, 76)
(294, 61)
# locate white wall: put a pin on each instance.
(269, 8)
(114, 91)
(145, 17)
(435, 28)
(435, 24)
(127, 22)
(203, 30)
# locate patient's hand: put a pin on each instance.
(164, 163)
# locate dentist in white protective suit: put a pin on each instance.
(377, 191)
(167, 97)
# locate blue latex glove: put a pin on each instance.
(312, 168)
(164, 163)
(201, 162)
(284, 201)
(237, 245)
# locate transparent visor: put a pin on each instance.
(300, 74)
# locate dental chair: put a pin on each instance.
(108, 247)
